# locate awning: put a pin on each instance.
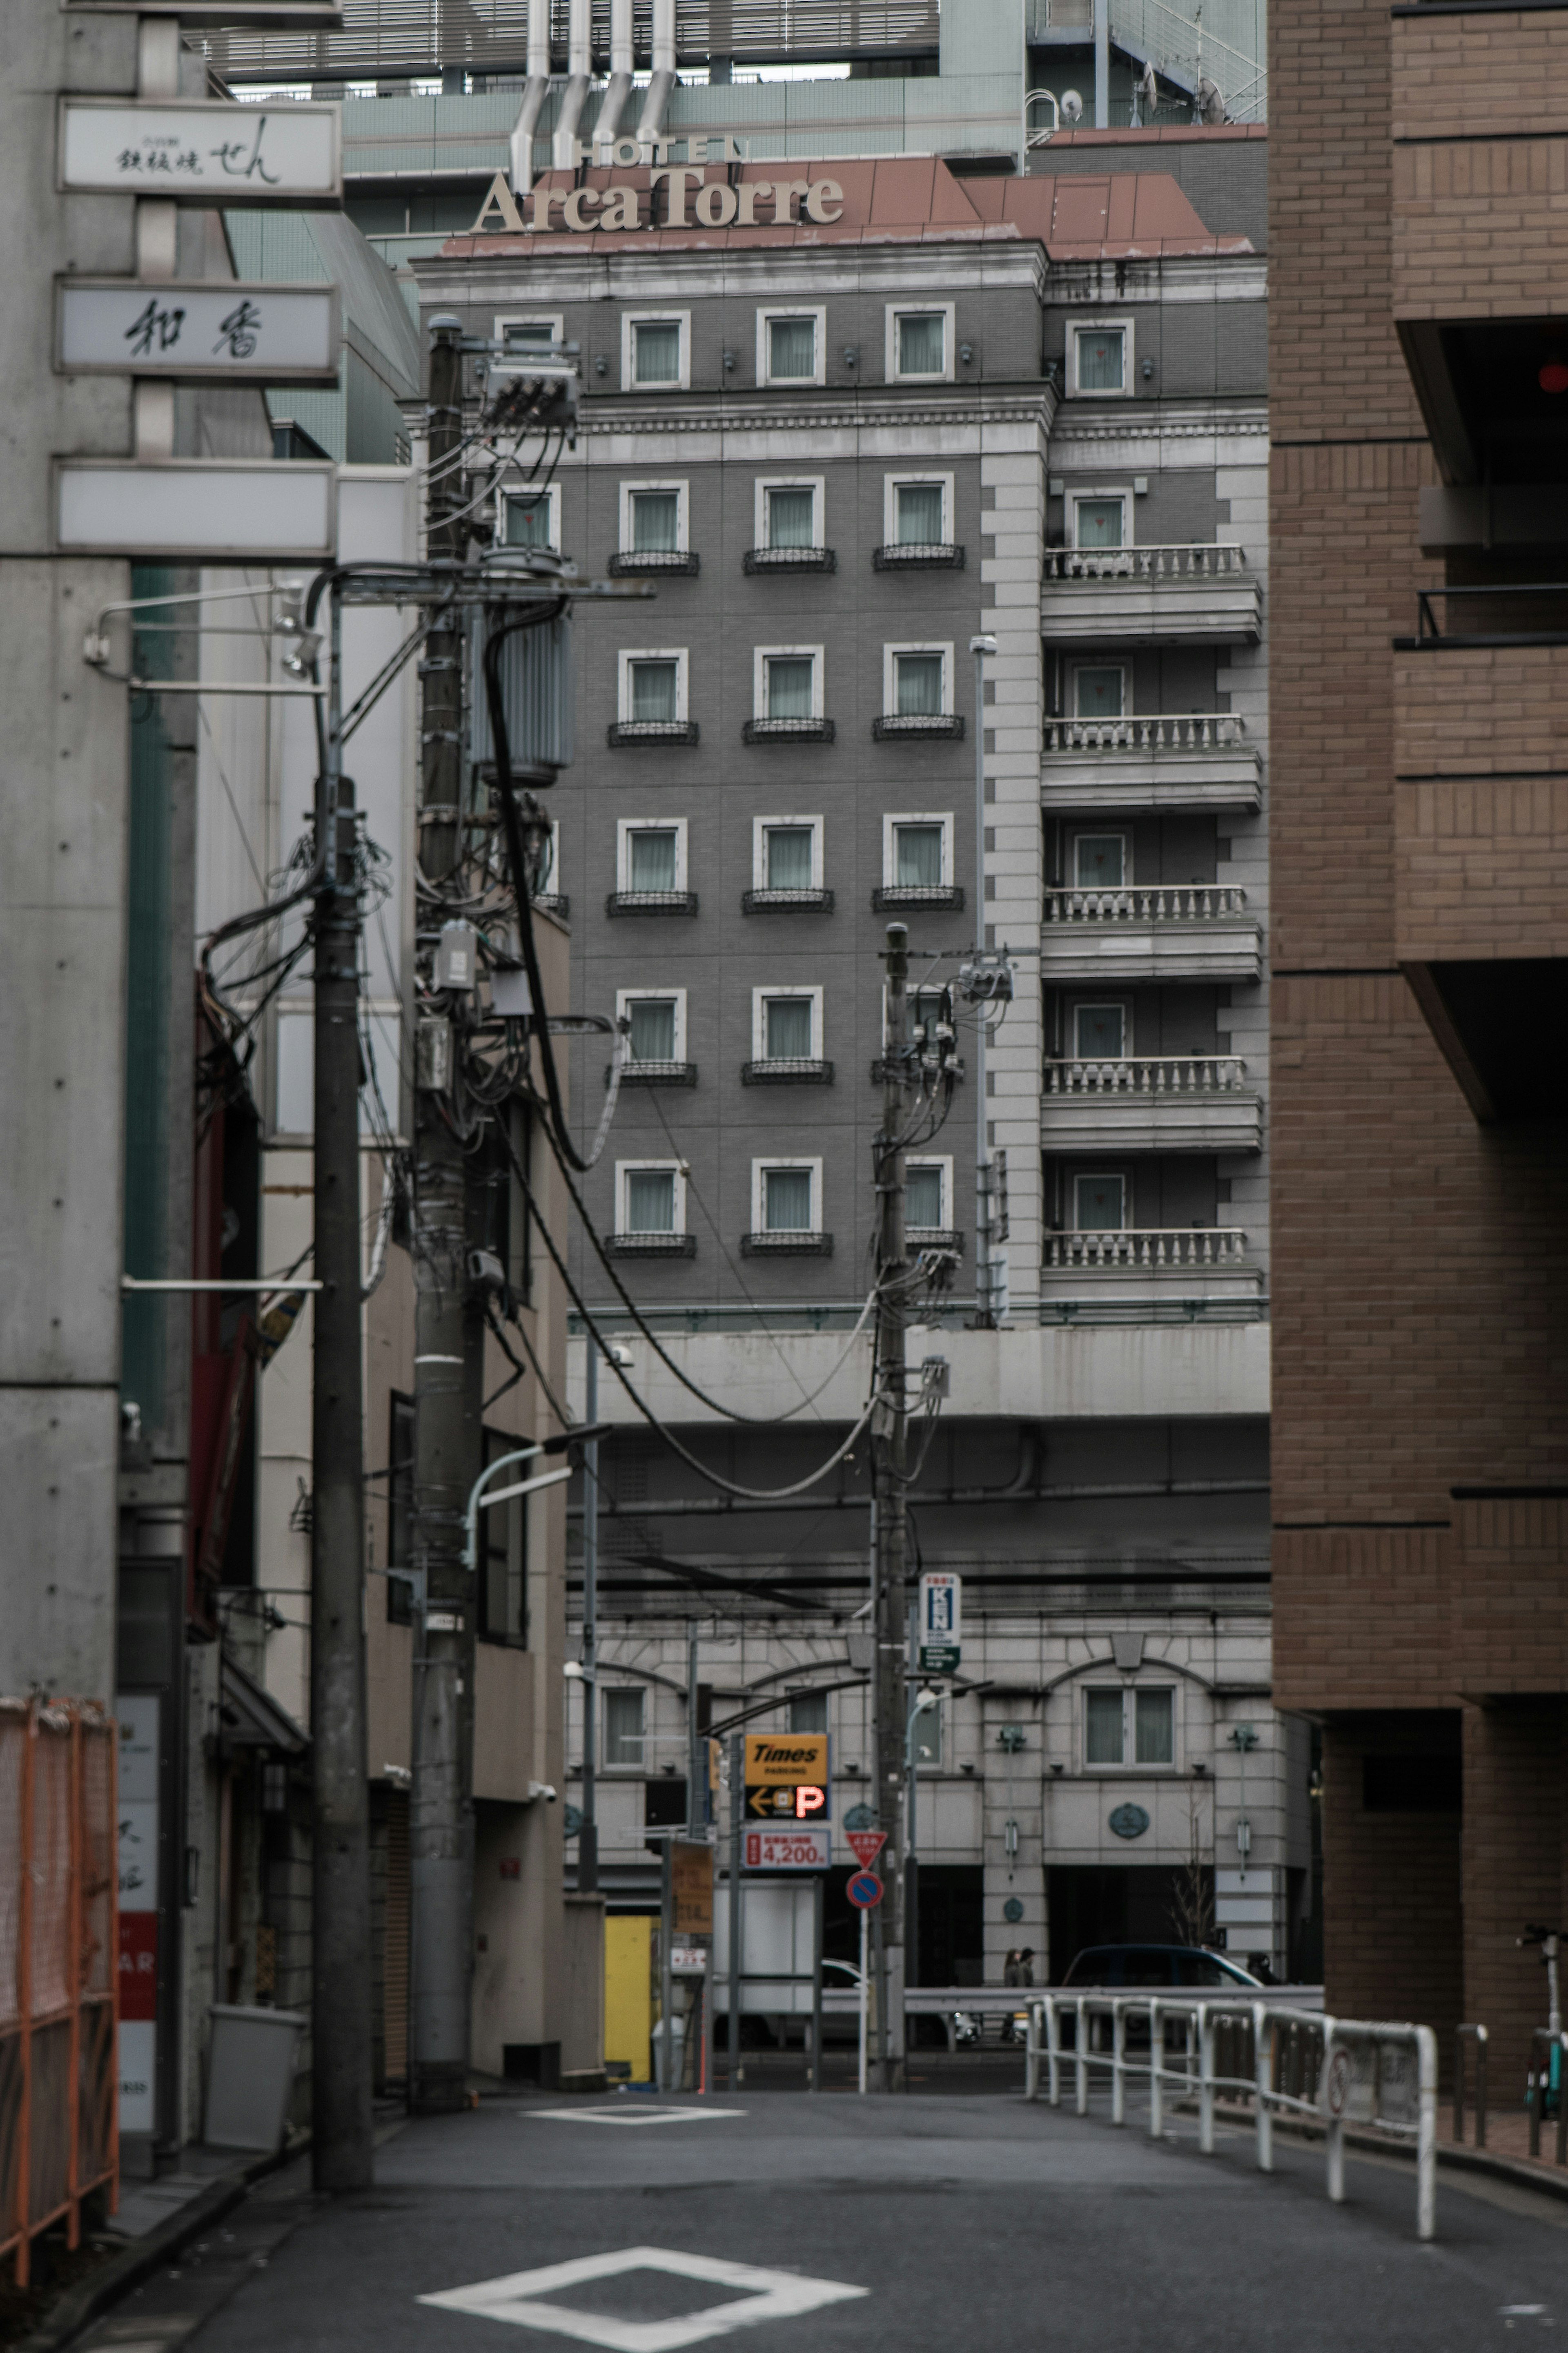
(252, 1717)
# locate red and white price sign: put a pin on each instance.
(865, 1846)
(793, 1849)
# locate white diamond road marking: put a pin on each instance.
(631, 2116)
(765, 2296)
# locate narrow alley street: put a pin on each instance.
(926, 2223)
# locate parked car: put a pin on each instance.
(1187, 1969)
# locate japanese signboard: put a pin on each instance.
(247, 335)
(787, 1777)
(139, 1874)
(210, 510)
(941, 1623)
(691, 1887)
(274, 16)
(199, 152)
(785, 1849)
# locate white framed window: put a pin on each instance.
(652, 683)
(1130, 1724)
(656, 351)
(626, 1727)
(808, 1711)
(790, 510)
(532, 518)
(524, 334)
(917, 852)
(650, 1196)
(655, 519)
(928, 1194)
(787, 1025)
(916, 510)
(1098, 690)
(917, 680)
(1099, 1204)
(786, 853)
(1100, 860)
(787, 683)
(1100, 361)
(657, 1018)
(786, 1196)
(919, 342)
(792, 345)
(926, 1742)
(650, 854)
(1101, 519)
(1102, 1030)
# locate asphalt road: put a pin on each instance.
(921, 2224)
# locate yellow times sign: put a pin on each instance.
(778, 1760)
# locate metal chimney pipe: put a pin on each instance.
(663, 83)
(620, 89)
(579, 68)
(534, 93)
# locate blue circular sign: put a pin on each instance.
(863, 1890)
(1013, 1910)
(1129, 1821)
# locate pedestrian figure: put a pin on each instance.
(1016, 1969)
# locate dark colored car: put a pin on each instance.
(1184, 1968)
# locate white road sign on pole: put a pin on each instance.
(199, 329)
(203, 152)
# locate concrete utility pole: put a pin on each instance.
(339, 1864)
(588, 1833)
(891, 1616)
(447, 1365)
(985, 1285)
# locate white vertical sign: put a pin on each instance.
(138, 1956)
(942, 1607)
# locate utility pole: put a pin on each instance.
(588, 1834)
(986, 1288)
(891, 1616)
(340, 1855)
(448, 1361)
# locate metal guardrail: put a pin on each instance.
(1283, 2042)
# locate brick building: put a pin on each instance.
(1420, 1459)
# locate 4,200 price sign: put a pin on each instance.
(797, 1850)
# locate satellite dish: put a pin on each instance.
(1145, 96)
(1210, 104)
(1072, 106)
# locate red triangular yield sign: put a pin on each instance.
(865, 1846)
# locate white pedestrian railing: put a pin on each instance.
(1155, 902)
(1148, 1247)
(1140, 1074)
(1196, 731)
(1360, 2072)
(1202, 562)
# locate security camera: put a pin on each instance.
(541, 1789)
(486, 1271)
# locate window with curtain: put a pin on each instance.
(1098, 693)
(653, 1028)
(787, 858)
(1102, 359)
(656, 690)
(650, 860)
(1154, 1728)
(1098, 523)
(528, 521)
(790, 677)
(918, 515)
(808, 1711)
(787, 1028)
(792, 350)
(1100, 861)
(922, 1198)
(917, 857)
(787, 1200)
(917, 685)
(656, 351)
(528, 338)
(656, 522)
(650, 1200)
(1102, 1715)
(792, 518)
(922, 342)
(623, 1731)
(1100, 1032)
(1099, 1204)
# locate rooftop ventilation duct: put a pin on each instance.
(579, 71)
(620, 89)
(534, 93)
(658, 99)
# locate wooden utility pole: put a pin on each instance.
(888, 1458)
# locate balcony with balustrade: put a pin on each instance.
(1150, 1103)
(1186, 760)
(1192, 1268)
(1201, 595)
(1154, 931)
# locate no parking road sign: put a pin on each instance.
(863, 1890)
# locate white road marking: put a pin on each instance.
(764, 2296)
(631, 2116)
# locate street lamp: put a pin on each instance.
(925, 1700)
